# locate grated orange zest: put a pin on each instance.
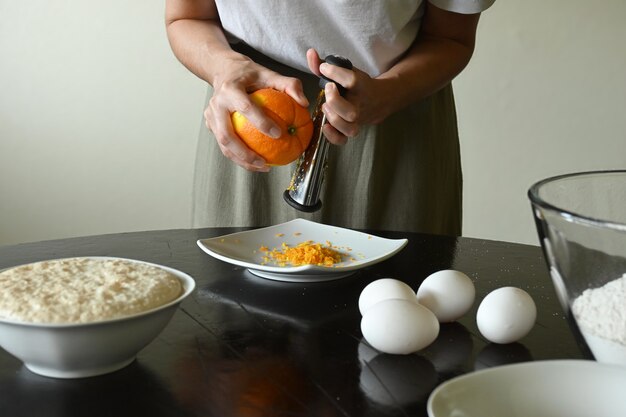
(305, 253)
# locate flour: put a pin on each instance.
(601, 317)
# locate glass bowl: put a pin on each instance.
(581, 223)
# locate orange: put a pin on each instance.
(293, 120)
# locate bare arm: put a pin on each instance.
(196, 37)
(443, 48)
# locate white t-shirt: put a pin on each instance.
(373, 34)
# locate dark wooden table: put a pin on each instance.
(246, 346)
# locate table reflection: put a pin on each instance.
(494, 354)
(121, 393)
(452, 349)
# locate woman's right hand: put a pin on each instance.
(198, 41)
(238, 77)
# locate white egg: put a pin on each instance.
(506, 315)
(384, 289)
(449, 294)
(399, 326)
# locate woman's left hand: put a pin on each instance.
(361, 104)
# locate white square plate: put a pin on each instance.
(242, 249)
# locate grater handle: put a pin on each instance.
(340, 62)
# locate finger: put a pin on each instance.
(255, 115)
(240, 154)
(343, 76)
(347, 128)
(339, 105)
(313, 60)
(293, 87)
(231, 146)
(237, 151)
(290, 85)
(340, 113)
(334, 136)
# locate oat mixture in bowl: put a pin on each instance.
(82, 317)
(83, 290)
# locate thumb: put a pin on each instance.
(313, 60)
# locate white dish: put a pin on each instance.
(242, 249)
(79, 350)
(556, 388)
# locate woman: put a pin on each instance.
(399, 167)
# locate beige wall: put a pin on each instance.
(545, 94)
(98, 121)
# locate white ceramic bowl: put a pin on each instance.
(556, 388)
(88, 349)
